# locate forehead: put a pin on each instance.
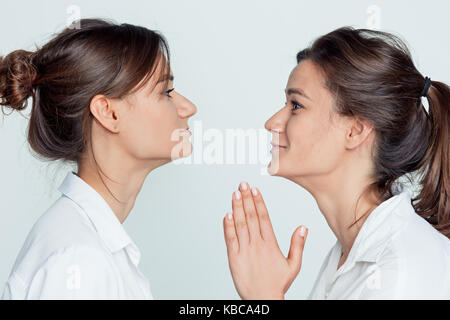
(162, 70)
(153, 81)
(310, 79)
(308, 76)
(160, 75)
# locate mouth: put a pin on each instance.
(277, 145)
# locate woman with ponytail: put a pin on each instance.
(353, 124)
(102, 98)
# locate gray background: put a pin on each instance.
(232, 59)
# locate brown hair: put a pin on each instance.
(372, 76)
(67, 72)
(64, 75)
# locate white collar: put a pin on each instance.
(101, 215)
(381, 224)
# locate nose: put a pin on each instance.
(185, 107)
(276, 122)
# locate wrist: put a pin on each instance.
(279, 296)
(265, 297)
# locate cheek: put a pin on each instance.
(149, 131)
(326, 152)
(302, 136)
(313, 145)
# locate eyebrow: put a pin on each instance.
(299, 91)
(165, 78)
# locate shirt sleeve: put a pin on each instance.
(76, 272)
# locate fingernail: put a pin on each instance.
(254, 191)
(237, 195)
(302, 231)
(229, 217)
(244, 185)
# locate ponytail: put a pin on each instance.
(434, 198)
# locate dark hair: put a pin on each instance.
(372, 76)
(64, 75)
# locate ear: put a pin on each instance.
(102, 109)
(359, 130)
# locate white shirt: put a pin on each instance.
(77, 249)
(396, 255)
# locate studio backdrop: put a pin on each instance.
(232, 59)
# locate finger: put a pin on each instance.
(240, 223)
(231, 239)
(250, 212)
(264, 220)
(298, 241)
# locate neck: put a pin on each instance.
(118, 178)
(337, 195)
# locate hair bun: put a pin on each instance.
(17, 74)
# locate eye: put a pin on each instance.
(167, 93)
(296, 105)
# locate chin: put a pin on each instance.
(181, 150)
(274, 169)
(279, 170)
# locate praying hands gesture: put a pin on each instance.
(258, 267)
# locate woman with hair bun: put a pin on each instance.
(103, 99)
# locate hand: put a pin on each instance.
(258, 267)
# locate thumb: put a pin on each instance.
(296, 251)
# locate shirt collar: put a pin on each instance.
(381, 224)
(101, 215)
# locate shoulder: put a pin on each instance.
(60, 234)
(420, 245)
(415, 263)
(76, 271)
(64, 220)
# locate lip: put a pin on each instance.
(277, 145)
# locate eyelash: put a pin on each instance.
(295, 103)
(169, 91)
